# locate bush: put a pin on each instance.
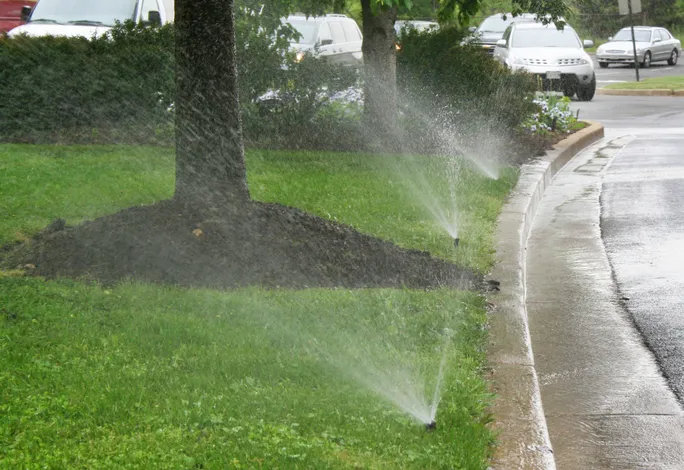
(120, 88)
(308, 111)
(459, 90)
(553, 115)
(75, 89)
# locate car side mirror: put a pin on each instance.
(326, 42)
(588, 43)
(657, 40)
(154, 18)
(472, 29)
(25, 13)
(610, 38)
(501, 43)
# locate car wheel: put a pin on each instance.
(647, 60)
(603, 65)
(569, 91)
(587, 92)
(673, 57)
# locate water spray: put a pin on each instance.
(431, 426)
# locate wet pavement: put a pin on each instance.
(643, 229)
(633, 112)
(606, 401)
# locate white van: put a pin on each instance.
(89, 18)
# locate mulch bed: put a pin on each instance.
(253, 244)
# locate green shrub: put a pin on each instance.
(302, 113)
(120, 88)
(83, 90)
(458, 87)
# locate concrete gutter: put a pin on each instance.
(654, 92)
(519, 417)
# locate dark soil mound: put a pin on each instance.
(255, 244)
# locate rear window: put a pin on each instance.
(351, 32)
(337, 32)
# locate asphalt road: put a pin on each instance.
(638, 112)
(642, 219)
(625, 73)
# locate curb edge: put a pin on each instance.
(651, 92)
(523, 438)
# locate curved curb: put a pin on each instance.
(654, 92)
(519, 417)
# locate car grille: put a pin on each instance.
(569, 61)
(615, 51)
(552, 62)
(535, 61)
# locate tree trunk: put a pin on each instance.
(210, 163)
(380, 69)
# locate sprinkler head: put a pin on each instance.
(431, 426)
(456, 240)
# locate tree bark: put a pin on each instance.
(210, 163)
(380, 69)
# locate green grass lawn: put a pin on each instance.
(659, 83)
(142, 376)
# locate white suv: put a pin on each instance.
(556, 56)
(335, 36)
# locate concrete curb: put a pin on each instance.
(519, 417)
(654, 92)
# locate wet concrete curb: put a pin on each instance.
(519, 417)
(654, 92)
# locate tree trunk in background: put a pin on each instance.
(210, 163)
(380, 69)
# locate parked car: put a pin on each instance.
(492, 29)
(556, 56)
(89, 18)
(653, 44)
(334, 36)
(10, 13)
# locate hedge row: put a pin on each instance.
(121, 90)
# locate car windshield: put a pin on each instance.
(306, 29)
(495, 24)
(640, 35)
(96, 12)
(545, 37)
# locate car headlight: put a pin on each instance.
(583, 61)
(300, 55)
(517, 61)
(600, 50)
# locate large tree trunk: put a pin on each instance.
(380, 69)
(210, 163)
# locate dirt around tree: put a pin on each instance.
(254, 244)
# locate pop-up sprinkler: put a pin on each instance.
(432, 425)
(456, 240)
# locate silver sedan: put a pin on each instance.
(653, 44)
